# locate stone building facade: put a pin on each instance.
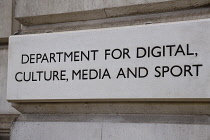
(105, 120)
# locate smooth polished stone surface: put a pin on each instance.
(93, 64)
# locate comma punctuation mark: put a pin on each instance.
(196, 54)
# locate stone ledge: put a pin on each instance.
(6, 122)
(3, 40)
(182, 15)
(119, 118)
(169, 108)
(39, 12)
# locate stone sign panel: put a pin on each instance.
(167, 61)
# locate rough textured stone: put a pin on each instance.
(177, 108)
(182, 15)
(117, 127)
(6, 121)
(5, 107)
(116, 118)
(46, 11)
(15, 24)
(8, 25)
(5, 19)
(25, 8)
(155, 132)
(55, 131)
(99, 123)
(5, 124)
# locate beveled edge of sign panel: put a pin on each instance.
(115, 100)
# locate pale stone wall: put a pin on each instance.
(5, 107)
(47, 11)
(109, 131)
(98, 120)
(111, 127)
(6, 19)
(7, 112)
(8, 25)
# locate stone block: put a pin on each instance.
(106, 127)
(5, 106)
(55, 131)
(157, 131)
(5, 19)
(47, 11)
